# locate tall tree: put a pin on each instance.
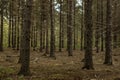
(9, 30)
(108, 38)
(88, 64)
(82, 25)
(60, 29)
(97, 37)
(41, 24)
(63, 22)
(18, 25)
(2, 24)
(25, 39)
(115, 25)
(13, 23)
(22, 4)
(74, 23)
(52, 37)
(69, 27)
(102, 35)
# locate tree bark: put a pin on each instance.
(25, 40)
(52, 37)
(70, 28)
(88, 64)
(1, 26)
(108, 39)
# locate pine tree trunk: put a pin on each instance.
(70, 27)
(47, 38)
(88, 64)
(25, 39)
(18, 26)
(9, 31)
(108, 39)
(82, 22)
(74, 24)
(60, 29)
(1, 26)
(98, 28)
(52, 37)
(115, 35)
(22, 20)
(102, 35)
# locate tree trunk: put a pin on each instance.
(18, 26)
(102, 35)
(88, 64)
(52, 37)
(74, 24)
(108, 39)
(1, 26)
(9, 30)
(97, 28)
(82, 26)
(70, 27)
(61, 27)
(25, 39)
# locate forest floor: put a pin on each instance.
(61, 68)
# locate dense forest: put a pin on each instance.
(59, 40)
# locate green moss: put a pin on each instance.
(57, 76)
(6, 71)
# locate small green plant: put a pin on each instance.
(6, 71)
(21, 78)
(8, 79)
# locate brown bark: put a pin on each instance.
(108, 38)
(88, 64)
(52, 37)
(25, 39)
(69, 27)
